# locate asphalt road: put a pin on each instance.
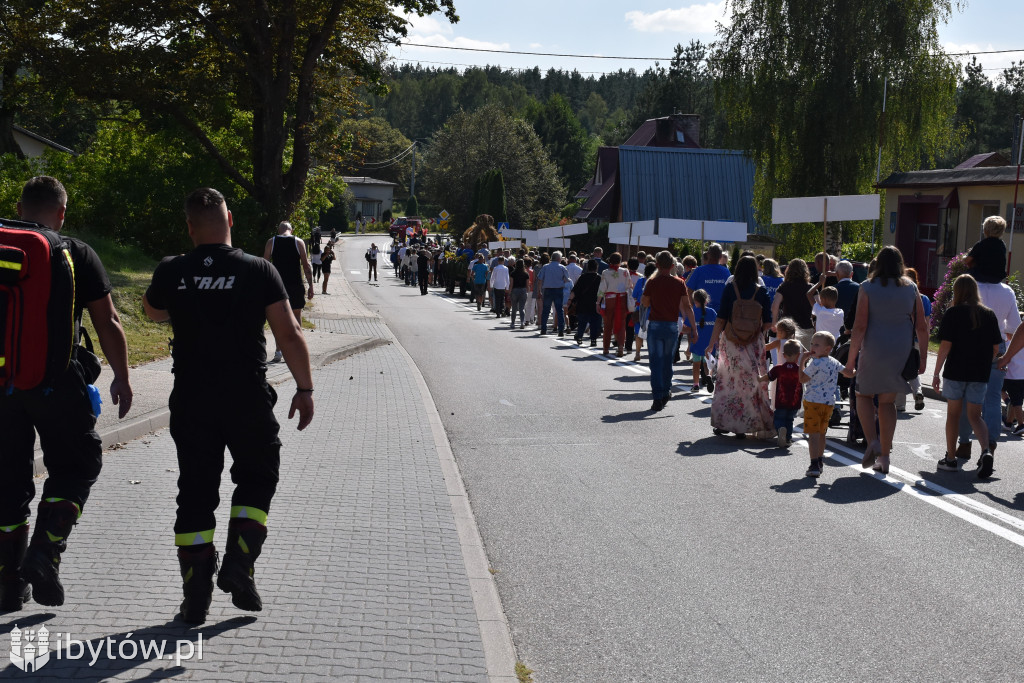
(639, 547)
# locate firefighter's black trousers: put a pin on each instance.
(206, 417)
(72, 450)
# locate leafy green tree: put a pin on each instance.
(412, 206)
(370, 142)
(471, 143)
(801, 82)
(292, 66)
(492, 196)
(566, 141)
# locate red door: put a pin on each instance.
(927, 237)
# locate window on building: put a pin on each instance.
(927, 232)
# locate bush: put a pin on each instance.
(858, 251)
(412, 207)
(944, 295)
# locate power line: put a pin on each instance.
(642, 59)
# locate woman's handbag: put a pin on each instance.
(913, 364)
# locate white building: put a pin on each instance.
(372, 197)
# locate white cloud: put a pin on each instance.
(535, 46)
(691, 19)
(992, 64)
(455, 41)
(429, 24)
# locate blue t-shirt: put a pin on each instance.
(712, 280)
(705, 325)
(479, 273)
(927, 303)
(771, 284)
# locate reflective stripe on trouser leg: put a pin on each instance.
(246, 512)
(194, 538)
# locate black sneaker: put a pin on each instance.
(985, 465)
(919, 401)
(949, 464)
(814, 471)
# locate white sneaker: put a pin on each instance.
(277, 357)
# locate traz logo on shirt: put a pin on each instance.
(210, 283)
(208, 261)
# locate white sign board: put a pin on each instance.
(680, 229)
(854, 207)
(560, 231)
(495, 245)
(558, 243)
(619, 233)
(656, 241)
(512, 233)
(511, 244)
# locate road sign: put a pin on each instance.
(444, 215)
(502, 227)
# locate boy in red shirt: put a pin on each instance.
(788, 391)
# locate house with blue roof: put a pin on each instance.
(662, 172)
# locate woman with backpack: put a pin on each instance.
(740, 402)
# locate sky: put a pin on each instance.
(644, 28)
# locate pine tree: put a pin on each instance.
(412, 207)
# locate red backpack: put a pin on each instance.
(37, 299)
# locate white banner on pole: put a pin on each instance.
(563, 230)
(512, 233)
(854, 207)
(619, 233)
(511, 244)
(678, 228)
(656, 241)
(725, 231)
(557, 243)
(495, 245)
(532, 239)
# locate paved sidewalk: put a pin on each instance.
(373, 570)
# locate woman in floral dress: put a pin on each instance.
(740, 402)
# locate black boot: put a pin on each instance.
(198, 565)
(14, 589)
(41, 566)
(245, 541)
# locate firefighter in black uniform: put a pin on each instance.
(63, 416)
(217, 298)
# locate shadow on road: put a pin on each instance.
(860, 488)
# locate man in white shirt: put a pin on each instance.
(574, 269)
(499, 286)
(1000, 298)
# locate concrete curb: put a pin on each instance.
(156, 420)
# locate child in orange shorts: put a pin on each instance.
(820, 375)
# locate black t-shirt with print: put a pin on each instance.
(91, 281)
(970, 358)
(217, 297)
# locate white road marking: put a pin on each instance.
(507, 403)
(355, 272)
(925, 491)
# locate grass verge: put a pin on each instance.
(129, 270)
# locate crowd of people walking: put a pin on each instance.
(770, 343)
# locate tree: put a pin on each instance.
(566, 141)
(801, 82)
(291, 65)
(372, 143)
(470, 144)
(412, 206)
(492, 196)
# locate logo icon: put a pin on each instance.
(208, 261)
(30, 650)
